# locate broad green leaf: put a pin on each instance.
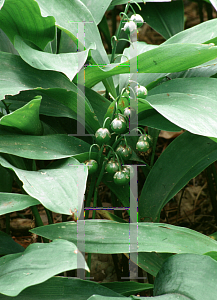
(167, 18)
(192, 112)
(56, 85)
(8, 245)
(151, 262)
(99, 103)
(202, 33)
(10, 202)
(70, 100)
(196, 86)
(49, 106)
(119, 2)
(75, 19)
(127, 288)
(104, 29)
(145, 79)
(25, 118)
(24, 18)
(59, 188)
(68, 16)
(153, 119)
(213, 236)
(63, 288)
(61, 103)
(174, 171)
(101, 8)
(163, 59)
(36, 264)
(6, 45)
(214, 3)
(212, 254)
(162, 297)
(49, 147)
(6, 181)
(16, 75)
(68, 63)
(190, 275)
(104, 236)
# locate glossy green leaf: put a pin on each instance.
(49, 106)
(190, 275)
(191, 102)
(10, 202)
(151, 262)
(99, 103)
(127, 288)
(24, 18)
(153, 119)
(29, 78)
(196, 86)
(101, 8)
(6, 181)
(145, 79)
(48, 147)
(71, 15)
(70, 100)
(191, 112)
(68, 63)
(201, 33)
(63, 288)
(162, 297)
(25, 118)
(214, 3)
(104, 29)
(68, 15)
(56, 86)
(167, 18)
(163, 59)
(59, 188)
(212, 254)
(62, 103)
(195, 154)
(6, 45)
(119, 2)
(36, 264)
(104, 236)
(8, 245)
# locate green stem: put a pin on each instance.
(114, 146)
(133, 9)
(105, 121)
(49, 216)
(119, 164)
(100, 155)
(88, 263)
(118, 34)
(91, 149)
(90, 193)
(139, 7)
(95, 202)
(38, 220)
